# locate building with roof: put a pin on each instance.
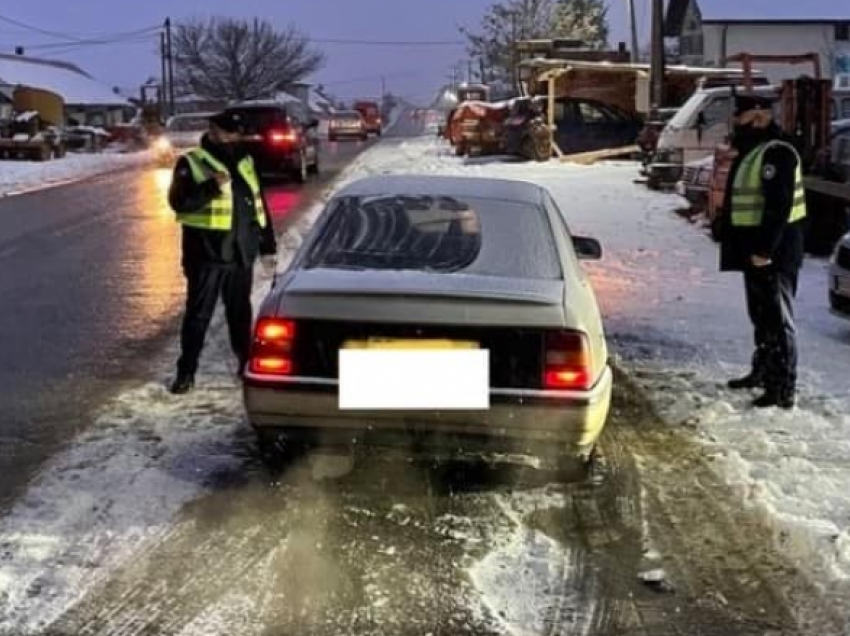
(87, 101)
(708, 35)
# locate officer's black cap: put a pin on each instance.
(743, 103)
(228, 121)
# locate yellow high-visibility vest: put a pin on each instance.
(218, 214)
(747, 194)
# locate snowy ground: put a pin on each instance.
(680, 328)
(115, 498)
(22, 176)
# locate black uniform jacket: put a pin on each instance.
(775, 238)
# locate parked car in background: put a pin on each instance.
(694, 132)
(282, 137)
(647, 139)
(371, 115)
(522, 129)
(477, 128)
(840, 149)
(182, 133)
(696, 183)
(840, 104)
(347, 124)
(433, 262)
(584, 125)
(839, 279)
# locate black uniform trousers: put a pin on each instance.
(206, 283)
(770, 304)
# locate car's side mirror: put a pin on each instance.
(587, 249)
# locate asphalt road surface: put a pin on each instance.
(90, 287)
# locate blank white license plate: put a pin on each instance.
(421, 379)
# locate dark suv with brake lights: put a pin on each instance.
(282, 137)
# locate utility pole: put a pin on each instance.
(633, 24)
(657, 70)
(164, 77)
(170, 64)
(514, 56)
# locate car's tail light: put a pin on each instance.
(567, 361)
(272, 348)
(278, 137)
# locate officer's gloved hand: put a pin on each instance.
(269, 264)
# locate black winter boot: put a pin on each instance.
(781, 399)
(182, 384)
(752, 380)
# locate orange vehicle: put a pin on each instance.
(477, 128)
(371, 115)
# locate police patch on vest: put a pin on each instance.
(768, 172)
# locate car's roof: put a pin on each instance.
(434, 185)
(192, 115)
(258, 105)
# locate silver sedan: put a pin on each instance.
(436, 263)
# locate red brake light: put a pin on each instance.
(272, 348)
(283, 136)
(567, 364)
(275, 330)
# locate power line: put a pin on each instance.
(68, 38)
(140, 37)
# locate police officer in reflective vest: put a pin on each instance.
(762, 236)
(216, 195)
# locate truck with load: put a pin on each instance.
(35, 131)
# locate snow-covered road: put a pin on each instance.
(159, 521)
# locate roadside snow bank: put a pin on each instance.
(22, 176)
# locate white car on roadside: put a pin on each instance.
(839, 279)
(182, 132)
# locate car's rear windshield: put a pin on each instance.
(442, 234)
(260, 119)
(350, 115)
(180, 124)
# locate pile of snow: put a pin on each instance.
(23, 176)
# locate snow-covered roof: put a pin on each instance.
(318, 103)
(72, 83)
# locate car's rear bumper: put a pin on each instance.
(351, 134)
(516, 417)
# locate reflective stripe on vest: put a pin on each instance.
(747, 193)
(218, 214)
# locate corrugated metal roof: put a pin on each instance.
(72, 83)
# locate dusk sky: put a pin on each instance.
(351, 70)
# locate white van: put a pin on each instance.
(695, 131)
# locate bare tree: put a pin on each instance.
(503, 23)
(230, 59)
